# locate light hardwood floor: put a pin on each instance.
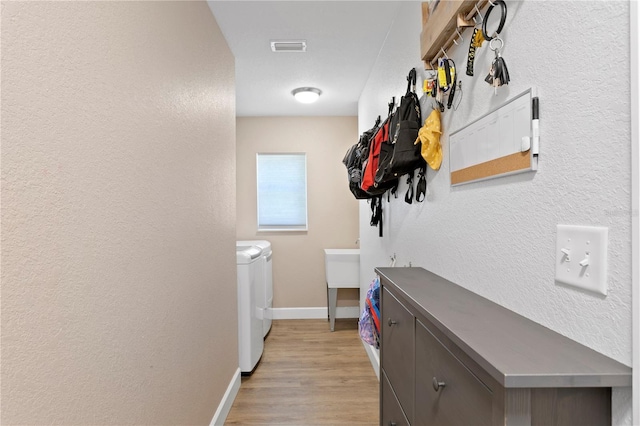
(309, 376)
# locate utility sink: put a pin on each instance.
(342, 269)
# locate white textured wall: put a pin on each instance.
(497, 238)
(118, 213)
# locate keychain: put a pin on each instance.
(454, 78)
(498, 73)
(439, 98)
(478, 38)
(458, 90)
(444, 74)
(476, 41)
(446, 77)
(429, 87)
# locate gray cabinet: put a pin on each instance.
(447, 392)
(451, 357)
(397, 344)
(392, 412)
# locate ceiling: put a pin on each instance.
(343, 41)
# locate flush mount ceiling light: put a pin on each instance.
(306, 95)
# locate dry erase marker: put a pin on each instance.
(535, 123)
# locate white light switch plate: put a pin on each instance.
(581, 257)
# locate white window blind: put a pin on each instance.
(282, 192)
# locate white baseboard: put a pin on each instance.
(314, 313)
(374, 357)
(227, 400)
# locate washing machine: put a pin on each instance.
(250, 337)
(264, 282)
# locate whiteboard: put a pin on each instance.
(499, 143)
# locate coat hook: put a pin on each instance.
(444, 53)
(478, 13)
(460, 35)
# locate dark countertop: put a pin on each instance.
(514, 350)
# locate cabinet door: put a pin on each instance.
(392, 414)
(397, 349)
(460, 399)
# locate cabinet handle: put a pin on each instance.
(437, 385)
(393, 424)
(391, 322)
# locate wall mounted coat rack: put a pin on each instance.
(439, 27)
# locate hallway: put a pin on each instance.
(309, 376)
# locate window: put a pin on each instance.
(282, 192)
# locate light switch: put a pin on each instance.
(581, 257)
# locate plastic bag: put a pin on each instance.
(369, 323)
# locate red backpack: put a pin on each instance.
(371, 164)
(369, 175)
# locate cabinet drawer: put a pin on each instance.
(463, 400)
(397, 349)
(392, 414)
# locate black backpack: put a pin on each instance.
(354, 159)
(403, 154)
(386, 148)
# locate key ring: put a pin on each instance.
(503, 17)
(496, 38)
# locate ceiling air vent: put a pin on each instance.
(289, 46)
